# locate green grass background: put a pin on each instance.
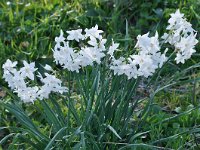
(28, 29)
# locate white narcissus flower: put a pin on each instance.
(186, 43)
(179, 58)
(182, 36)
(93, 32)
(113, 48)
(17, 81)
(101, 45)
(29, 94)
(92, 54)
(53, 84)
(75, 35)
(93, 41)
(28, 70)
(60, 38)
(44, 92)
(73, 65)
(148, 44)
(86, 54)
(145, 64)
(175, 18)
(12, 76)
(9, 66)
(124, 69)
(148, 59)
(143, 42)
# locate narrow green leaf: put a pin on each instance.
(51, 116)
(6, 137)
(54, 138)
(24, 119)
(114, 131)
(151, 147)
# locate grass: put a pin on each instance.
(28, 31)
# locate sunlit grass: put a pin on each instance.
(27, 31)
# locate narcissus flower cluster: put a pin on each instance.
(20, 81)
(80, 48)
(90, 49)
(148, 59)
(182, 36)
